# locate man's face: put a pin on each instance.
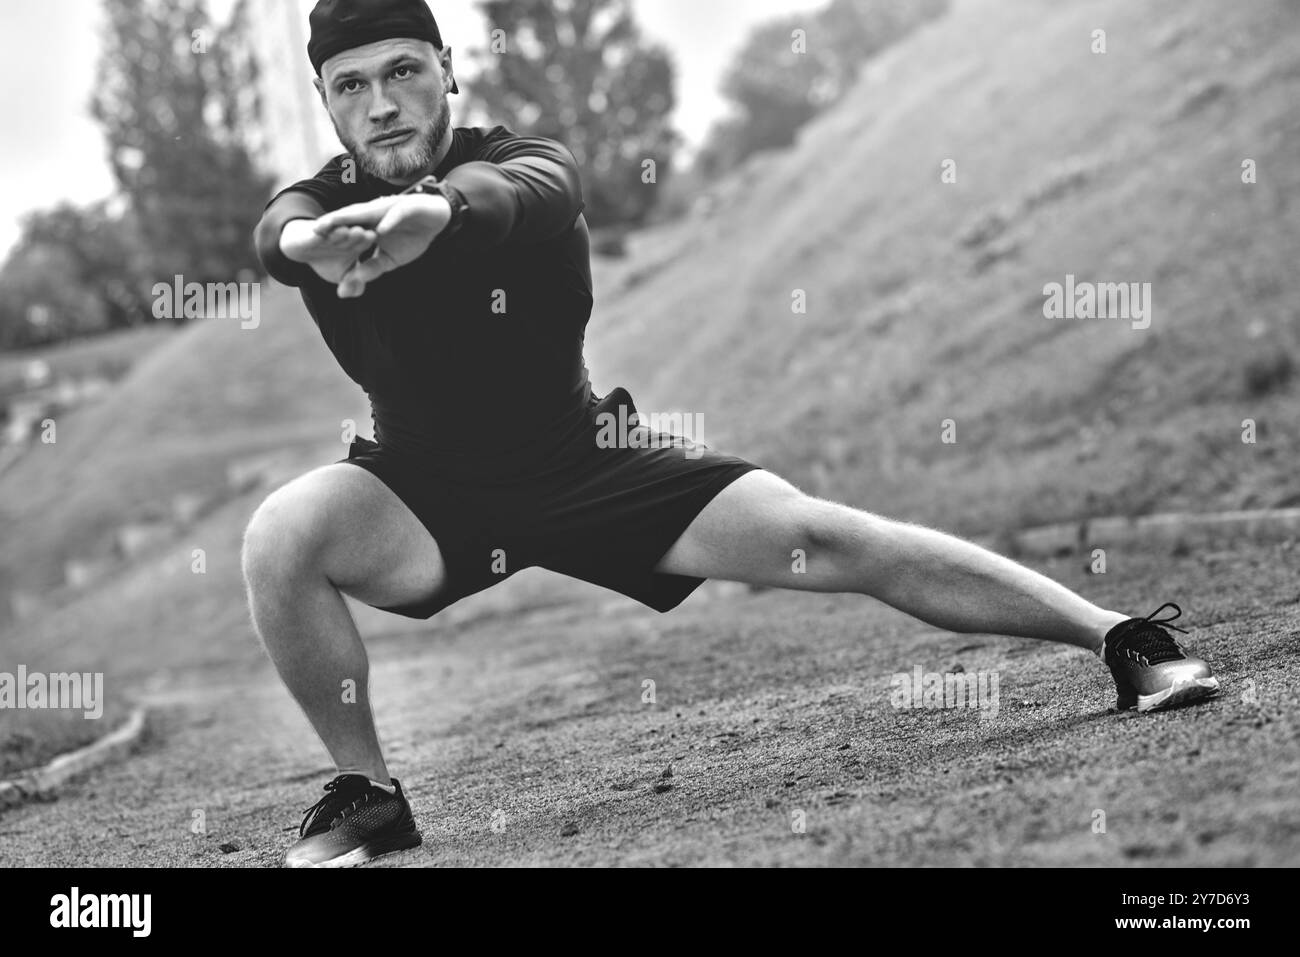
(388, 104)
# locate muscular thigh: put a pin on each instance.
(761, 530)
(358, 533)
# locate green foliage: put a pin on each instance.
(579, 71)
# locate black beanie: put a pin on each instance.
(338, 25)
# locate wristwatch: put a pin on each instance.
(432, 186)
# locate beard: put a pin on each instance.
(407, 163)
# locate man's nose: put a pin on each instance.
(382, 107)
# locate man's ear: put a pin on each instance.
(320, 88)
(444, 57)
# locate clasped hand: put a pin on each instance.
(357, 244)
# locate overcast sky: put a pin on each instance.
(48, 50)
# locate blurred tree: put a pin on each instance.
(779, 81)
(73, 272)
(106, 253)
(167, 96)
(792, 68)
(579, 71)
(857, 30)
(40, 303)
(171, 96)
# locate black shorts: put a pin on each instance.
(606, 516)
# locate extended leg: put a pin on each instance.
(764, 531)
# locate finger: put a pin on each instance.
(352, 288)
(358, 214)
(356, 279)
(339, 235)
(350, 239)
(398, 217)
(371, 269)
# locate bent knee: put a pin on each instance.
(286, 535)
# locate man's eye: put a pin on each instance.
(406, 70)
(349, 86)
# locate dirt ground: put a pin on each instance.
(527, 741)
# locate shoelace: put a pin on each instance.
(338, 798)
(1147, 638)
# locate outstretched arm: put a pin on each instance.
(525, 190)
(521, 190)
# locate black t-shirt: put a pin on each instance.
(471, 355)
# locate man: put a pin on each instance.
(448, 271)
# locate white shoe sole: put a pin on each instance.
(1180, 692)
(362, 854)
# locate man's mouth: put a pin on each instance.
(393, 138)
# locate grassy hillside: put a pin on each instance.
(108, 356)
(209, 395)
(924, 299)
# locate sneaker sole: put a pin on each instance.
(367, 852)
(1180, 692)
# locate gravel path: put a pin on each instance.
(771, 740)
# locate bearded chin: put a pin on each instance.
(407, 164)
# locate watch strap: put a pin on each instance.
(432, 186)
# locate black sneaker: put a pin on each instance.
(1149, 668)
(353, 823)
